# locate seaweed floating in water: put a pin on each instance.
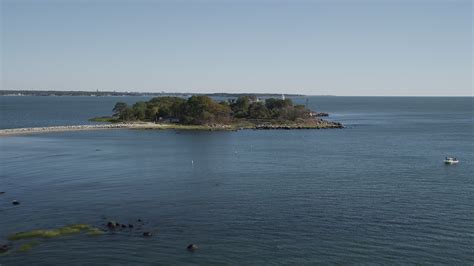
(52, 233)
(49, 233)
(94, 232)
(61, 231)
(27, 246)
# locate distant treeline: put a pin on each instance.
(202, 110)
(114, 93)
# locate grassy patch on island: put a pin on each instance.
(105, 119)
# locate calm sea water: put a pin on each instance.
(376, 191)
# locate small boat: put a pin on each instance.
(450, 160)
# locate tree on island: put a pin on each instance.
(119, 108)
(202, 110)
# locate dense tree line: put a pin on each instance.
(202, 110)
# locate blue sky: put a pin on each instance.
(383, 47)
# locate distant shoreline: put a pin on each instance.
(121, 94)
(149, 125)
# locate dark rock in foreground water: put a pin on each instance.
(147, 234)
(15, 202)
(112, 225)
(192, 247)
(4, 248)
(322, 114)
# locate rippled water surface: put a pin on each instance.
(376, 191)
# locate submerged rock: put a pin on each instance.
(15, 202)
(192, 247)
(147, 234)
(112, 224)
(4, 248)
(321, 114)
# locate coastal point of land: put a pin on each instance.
(200, 113)
(322, 124)
(33, 130)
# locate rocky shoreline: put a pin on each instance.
(324, 125)
(318, 124)
(33, 130)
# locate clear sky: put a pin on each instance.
(371, 47)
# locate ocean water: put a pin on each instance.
(31, 111)
(376, 191)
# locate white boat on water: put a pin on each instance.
(450, 160)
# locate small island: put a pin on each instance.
(201, 112)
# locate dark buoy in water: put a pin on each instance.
(15, 202)
(192, 247)
(147, 234)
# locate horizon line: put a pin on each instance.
(242, 93)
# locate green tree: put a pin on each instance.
(204, 110)
(273, 103)
(151, 112)
(119, 108)
(241, 107)
(127, 115)
(139, 110)
(258, 110)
